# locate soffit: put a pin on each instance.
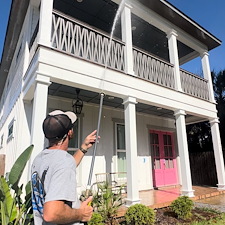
(16, 18)
(175, 16)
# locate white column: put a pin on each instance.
(127, 38)
(131, 151)
(39, 113)
(184, 155)
(45, 23)
(174, 59)
(207, 74)
(218, 153)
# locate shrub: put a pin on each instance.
(107, 202)
(96, 219)
(182, 207)
(139, 214)
(14, 209)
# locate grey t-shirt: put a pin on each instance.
(53, 178)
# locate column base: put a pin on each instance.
(189, 193)
(130, 202)
(221, 186)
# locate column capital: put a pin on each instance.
(43, 79)
(204, 53)
(179, 112)
(171, 32)
(129, 99)
(126, 5)
(214, 120)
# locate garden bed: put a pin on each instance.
(165, 216)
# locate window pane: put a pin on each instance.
(156, 151)
(121, 161)
(10, 130)
(169, 164)
(2, 140)
(154, 138)
(157, 164)
(120, 136)
(74, 141)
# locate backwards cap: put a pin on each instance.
(58, 123)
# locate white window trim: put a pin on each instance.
(11, 124)
(116, 142)
(2, 141)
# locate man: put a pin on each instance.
(54, 195)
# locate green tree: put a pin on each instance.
(199, 135)
(219, 90)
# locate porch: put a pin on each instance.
(163, 197)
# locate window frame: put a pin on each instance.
(10, 133)
(2, 141)
(119, 150)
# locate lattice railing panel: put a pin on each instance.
(81, 41)
(153, 69)
(194, 85)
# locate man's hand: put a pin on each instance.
(86, 210)
(89, 140)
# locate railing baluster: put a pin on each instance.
(194, 85)
(82, 41)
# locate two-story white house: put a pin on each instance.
(58, 51)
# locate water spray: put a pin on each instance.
(87, 193)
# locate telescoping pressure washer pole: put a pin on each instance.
(95, 146)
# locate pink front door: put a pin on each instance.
(164, 159)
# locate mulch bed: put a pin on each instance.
(165, 216)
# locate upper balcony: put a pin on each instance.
(76, 38)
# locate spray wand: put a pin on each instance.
(95, 147)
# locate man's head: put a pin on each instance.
(57, 125)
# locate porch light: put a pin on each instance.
(77, 103)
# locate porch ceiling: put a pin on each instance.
(100, 14)
(64, 91)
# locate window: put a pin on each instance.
(121, 148)
(2, 138)
(10, 129)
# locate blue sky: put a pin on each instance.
(209, 14)
(4, 13)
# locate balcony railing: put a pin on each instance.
(82, 41)
(194, 85)
(152, 69)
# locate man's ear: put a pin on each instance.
(70, 133)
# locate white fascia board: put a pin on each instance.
(29, 79)
(189, 20)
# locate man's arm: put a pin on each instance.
(87, 143)
(58, 212)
